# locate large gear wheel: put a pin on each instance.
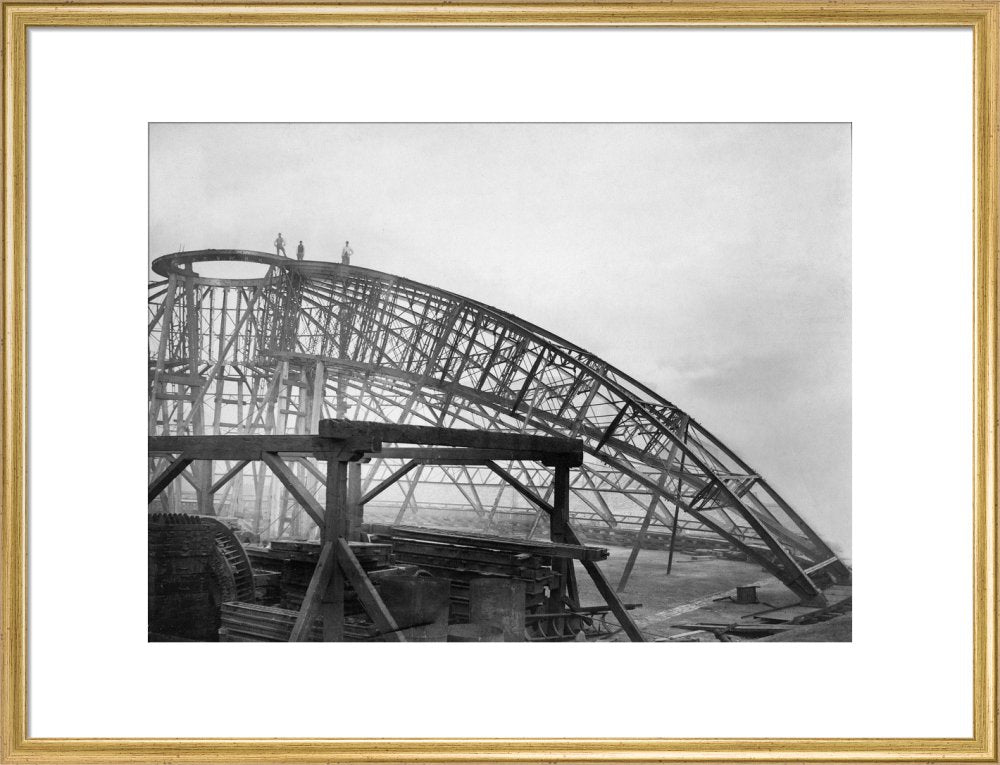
(230, 565)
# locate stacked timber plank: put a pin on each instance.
(545, 550)
(282, 571)
(252, 623)
(262, 559)
(375, 555)
(295, 561)
(267, 586)
(464, 557)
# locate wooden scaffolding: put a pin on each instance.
(343, 445)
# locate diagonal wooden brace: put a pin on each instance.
(234, 471)
(295, 487)
(170, 472)
(314, 594)
(366, 592)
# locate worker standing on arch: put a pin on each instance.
(279, 246)
(300, 253)
(345, 255)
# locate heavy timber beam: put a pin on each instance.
(431, 436)
(468, 456)
(252, 447)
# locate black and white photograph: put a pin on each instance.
(500, 382)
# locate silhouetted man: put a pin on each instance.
(345, 255)
(279, 245)
(300, 253)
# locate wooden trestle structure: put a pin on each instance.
(343, 445)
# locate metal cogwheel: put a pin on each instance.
(230, 548)
(171, 519)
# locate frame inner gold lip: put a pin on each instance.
(981, 17)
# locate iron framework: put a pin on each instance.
(312, 340)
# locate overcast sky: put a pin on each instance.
(710, 262)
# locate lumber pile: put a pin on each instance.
(249, 622)
(542, 549)
(464, 557)
(295, 561)
(267, 587)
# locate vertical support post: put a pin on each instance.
(559, 532)
(176, 497)
(673, 539)
(677, 512)
(201, 471)
(258, 499)
(346, 319)
(238, 486)
(313, 398)
(572, 588)
(355, 509)
(316, 411)
(333, 528)
(282, 406)
(303, 416)
(220, 378)
(161, 354)
(204, 478)
(265, 412)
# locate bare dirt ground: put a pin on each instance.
(836, 630)
(688, 594)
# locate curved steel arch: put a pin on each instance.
(314, 339)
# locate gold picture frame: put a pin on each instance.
(984, 20)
